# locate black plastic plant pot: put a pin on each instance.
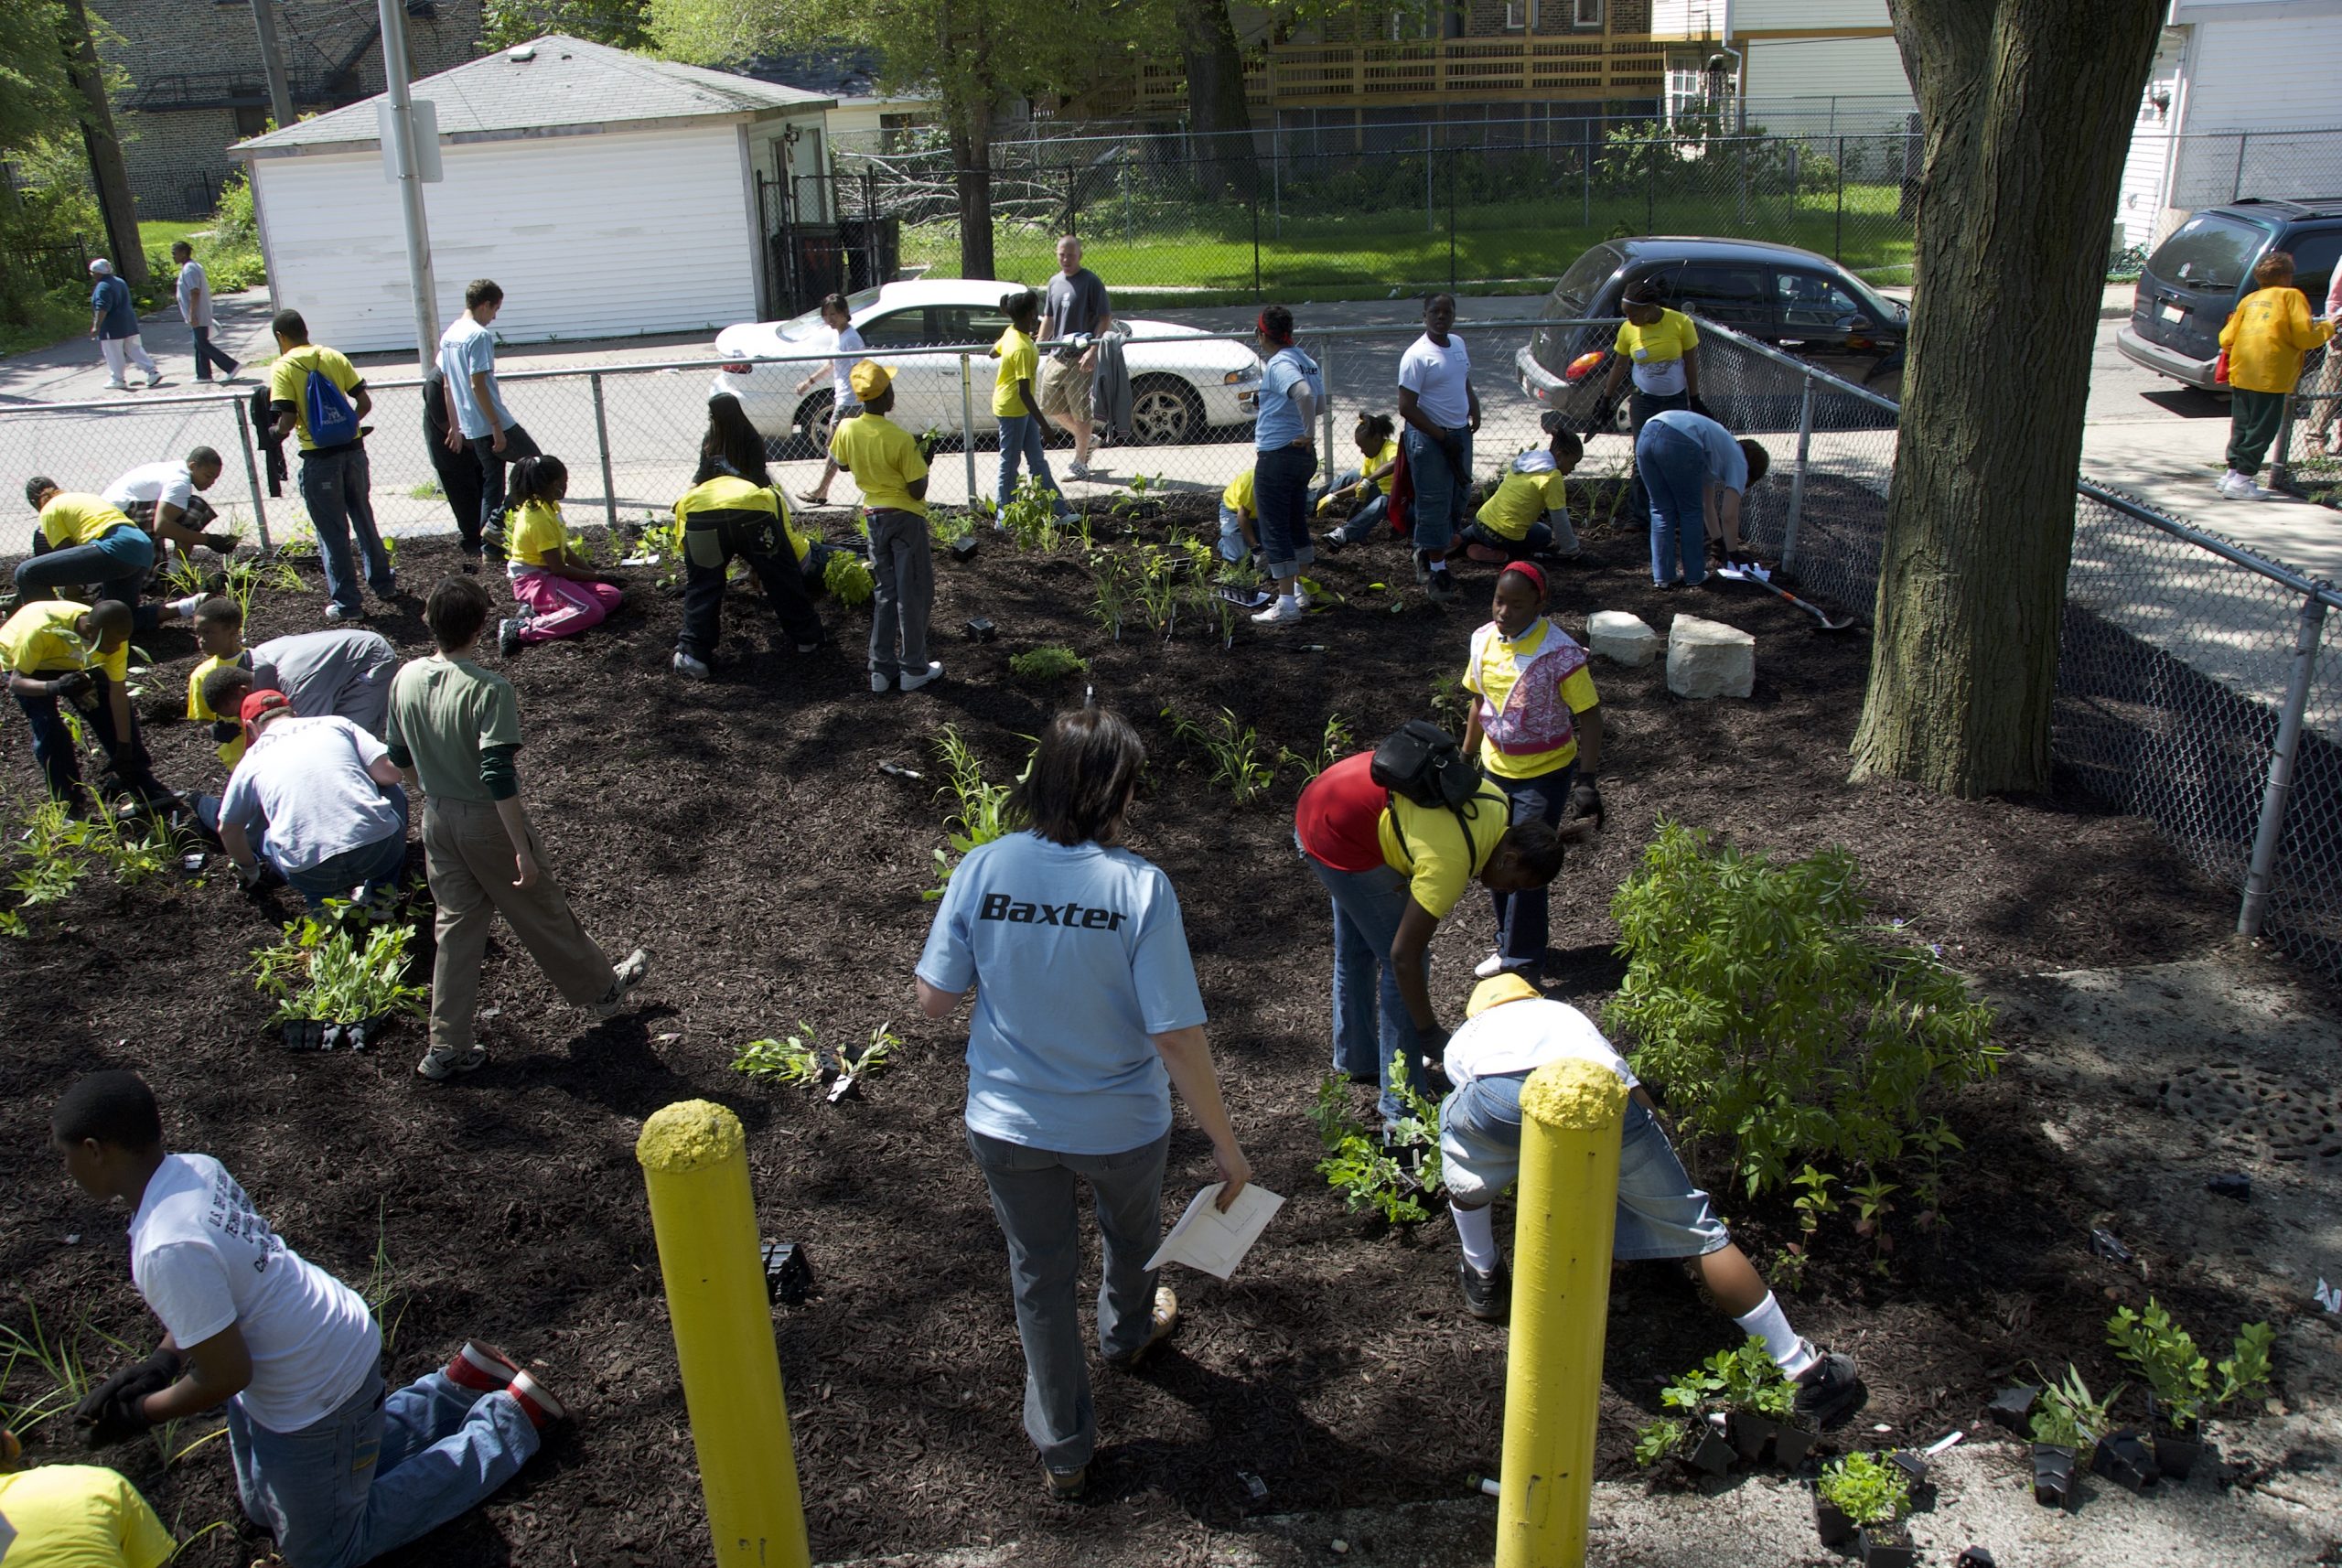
(304, 1035)
(1831, 1523)
(1790, 1445)
(789, 1277)
(963, 549)
(2123, 1459)
(2177, 1444)
(1886, 1546)
(2011, 1407)
(2053, 1475)
(979, 629)
(1749, 1434)
(1712, 1455)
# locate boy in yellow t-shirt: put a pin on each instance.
(1016, 405)
(74, 1516)
(558, 593)
(886, 464)
(55, 648)
(336, 484)
(1528, 511)
(85, 540)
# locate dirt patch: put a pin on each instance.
(744, 831)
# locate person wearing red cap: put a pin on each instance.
(321, 798)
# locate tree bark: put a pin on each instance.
(108, 174)
(971, 172)
(1216, 110)
(2027, 107)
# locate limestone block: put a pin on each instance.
(1708, 659)
(1621, 638)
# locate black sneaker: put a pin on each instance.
(1831, 1391)
(508, 636)
(1422, 566)
(1487, 1296)
(1332, 541)
(1441, 588)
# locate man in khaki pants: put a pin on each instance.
(453, 730)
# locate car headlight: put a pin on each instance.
(1238, 378)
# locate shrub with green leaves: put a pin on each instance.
(1867, 1489)
(1777, 1015)
(980, 810)
(847, 577)
(1049, 663)
(337, 968)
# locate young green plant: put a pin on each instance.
(1240, 762)
(1867, 1489)
(1049, 663)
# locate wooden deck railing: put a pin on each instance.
(1535, 69)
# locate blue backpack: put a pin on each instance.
(332, 421)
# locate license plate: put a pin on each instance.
(2173, 310)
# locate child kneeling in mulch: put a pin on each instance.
(558, 592)
(885, 462)
(1511, 1030)
(1528, 511)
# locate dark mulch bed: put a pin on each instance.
(743, 833)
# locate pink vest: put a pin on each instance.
(1534, 718)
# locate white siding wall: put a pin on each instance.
(2258, 73)
(1806, 15)
(591, 236)
(2147, 162)
(1821, 68)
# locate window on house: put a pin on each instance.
(1521, 16)
(1687, 84)
(251, 119)
(1588, 14)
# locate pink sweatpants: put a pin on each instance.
(559, 608)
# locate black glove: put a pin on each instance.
(1700, 408)
(1585, 800)
(1605, 411)
(73, 685)
(222, 541)
(112, 1412)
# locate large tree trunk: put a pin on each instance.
(1217, 110)
(107, 172)
(2028, 106)
(972, 172)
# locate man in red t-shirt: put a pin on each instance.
(1394, 869)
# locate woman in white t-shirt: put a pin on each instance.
(844, 349)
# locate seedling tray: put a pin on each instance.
(317, 1035)
(2053, 1476)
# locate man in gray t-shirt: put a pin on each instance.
(328, 795)
(1075, 304)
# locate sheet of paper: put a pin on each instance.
(1215, 1242)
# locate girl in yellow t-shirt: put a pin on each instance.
(559, 593)
(1378, 449)
(1013, 403)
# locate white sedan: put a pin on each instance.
(1183, 383)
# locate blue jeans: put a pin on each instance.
(369, 867)
(1021, 439)
(1281, 499)
(61, 762)
(1675, 467)
(1640, 406)
(377, 1472)
(119, 563)
(1367, 518)
(1441, 491)
(1521, 917)
(1536, 541)
(334, 487)
(1371, 1021)
(1232, 548)
(206, 356)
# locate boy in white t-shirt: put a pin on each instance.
(293, 1352)
(1511, 1031)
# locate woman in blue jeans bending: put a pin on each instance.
(1697, 474)
(1014, 401)
(1285, 454)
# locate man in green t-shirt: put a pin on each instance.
(453, 730)
(335, 482)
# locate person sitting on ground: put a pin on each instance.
(321, 799)
(1371, 484)
(75, 1516)
(335, 1471)
(885, 460)
(166, 499)
(86, 541)
(1536, 727)
(1511, 1030)
(559, 592)
(1394, 868)
(2266, 336)
(346, 671)
(1528, 511)
(454, 731)
(55, 648)
(1240, 538)
(727, 518)
(1084, 1023)
(845, 345)
(1696, 475)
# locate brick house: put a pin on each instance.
(196, 82)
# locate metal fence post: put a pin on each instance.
(252, 471)
(1797, 477)
(968, 427)
(1252, 191)
(2280, 466)
(1325, 410)
(1585, 192)
(2236, 182)
(1838, 236)
(2274, 798)
(1451, 222)
(602, 440)
(1431, 225)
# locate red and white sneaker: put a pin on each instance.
(537, 1401)
(482, 1368)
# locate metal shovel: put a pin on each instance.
(1764, 579)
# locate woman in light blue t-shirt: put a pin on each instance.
(1087, 1015)
(1284, 456)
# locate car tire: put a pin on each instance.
(1164, 411)
(808, 428)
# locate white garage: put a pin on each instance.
(608, 193)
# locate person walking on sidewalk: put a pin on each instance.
(885, 461)
(454, 730)
(195, 309)
(1441, 411)
(845, 347)
(2266, 336)
(326, 1461)
(316, 392)
(113, 322)
(1075, 307)
(1087, 1016)
(477, 418)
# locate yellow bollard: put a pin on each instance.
(695, 1163)
(1570, 1115)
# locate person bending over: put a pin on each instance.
(320, 798)
(86, 541)
(75, 1516)
(55, 648)
(346, 671)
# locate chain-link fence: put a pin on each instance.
(2305, 458)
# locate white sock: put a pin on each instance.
(1477, 1229)
(1771, 1324)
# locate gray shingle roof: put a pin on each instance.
(553, 82)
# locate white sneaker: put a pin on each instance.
(2251, 492)
(689, 669)
(336, 611)
(1077, 471)
(2228, 482)
(880, 683)
(934, 672)
(1491, 966)
(1285, 611)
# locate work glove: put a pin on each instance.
(221, 540)
(252, 876)
(1605, 411)
(1585, 800)
(73, 686)
(112, 1412)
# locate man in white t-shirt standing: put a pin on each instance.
(195, 309)
(477, 420)
(292, 1351)
(844, 345)
(161, 498)
(1440, 410)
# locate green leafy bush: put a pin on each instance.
(847, 577)
(336, 968)
(1049, 663)
(1775, 1014)
(1866, 1488)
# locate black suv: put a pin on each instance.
(1803, 304)
(2196, 277)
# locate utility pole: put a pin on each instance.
(107, 172)
(280, 92)
(406, 165)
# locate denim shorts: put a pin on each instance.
(1661, 1213)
